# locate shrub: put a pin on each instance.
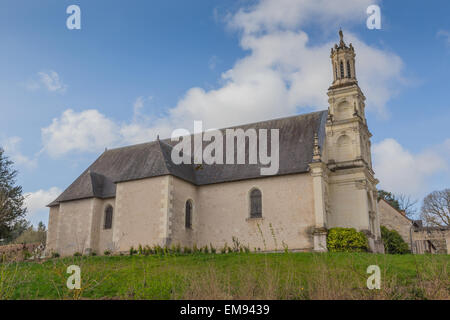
(346, 240)
(212, 249)
(77, 254)
(236, 244)
(132, 251)
(148, 250)
(106, 252)
(158, 250)
(55, 255)
(285, 247)
(26, 254)
(187, 250)
(393, 242)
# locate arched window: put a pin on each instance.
(349, 73)
(342, 70)
(255, 204)
(108, 217)
(188, 217)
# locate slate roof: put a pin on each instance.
(152, 159)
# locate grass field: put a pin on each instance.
(231, 276)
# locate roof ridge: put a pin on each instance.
(153, 158)
(223, 128)
(275, 119)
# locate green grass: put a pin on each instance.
(231, 276)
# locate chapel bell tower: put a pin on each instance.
(351, 182)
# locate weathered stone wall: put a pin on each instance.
(394, 220)
(439, 237)
(183, 191)
(17, 252)
(73, 226)
(223, 212)
(152, 211)
(103, 237)
(52, 230)
(141, 213)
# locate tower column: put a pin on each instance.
(318, 173)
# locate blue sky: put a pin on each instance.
(139, 68)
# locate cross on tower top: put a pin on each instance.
(341, 35)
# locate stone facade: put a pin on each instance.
(431, 240)
(419, 239)
(152, 211)
(396, 220)
(334, 187)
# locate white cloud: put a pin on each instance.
(37, 201)
(138, 105)
(86, 131)
(400, 171)
(273, 15)
(282, 72)
(134, 133)
(11, 147)
(91, 131)
(49, 80)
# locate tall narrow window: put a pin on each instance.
(255, 204)
(108, 217)
(342, 70)
(349, 73)
(188, 214)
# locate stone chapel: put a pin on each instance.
(136, 195)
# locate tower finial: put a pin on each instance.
(341, 35)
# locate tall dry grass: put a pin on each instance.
(327, 281)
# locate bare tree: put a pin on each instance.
(407, 204)
(400, 202)
(436, 209)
